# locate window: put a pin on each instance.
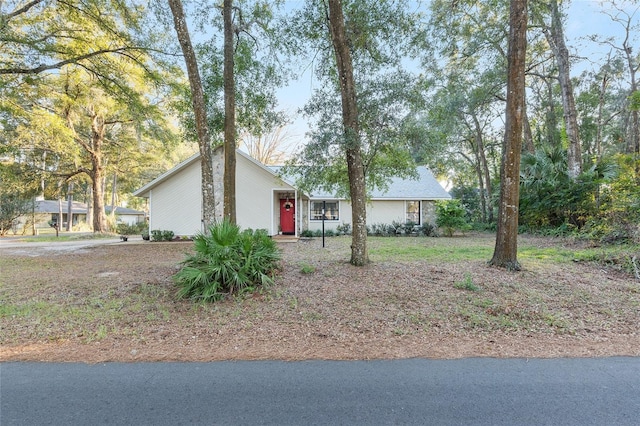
(331, 211)
(413, 212)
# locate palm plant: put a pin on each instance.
(227, 261)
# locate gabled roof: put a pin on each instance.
(425, 187)
(166, 175)
(196, 157)
(52, 206)
(124, 211)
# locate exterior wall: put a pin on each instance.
(386, 211)
(129, 219)
(304, 215)
(344, 215)
(175, 200)
(176, 204)
(429, 212)
(257, 205)
(378, 211)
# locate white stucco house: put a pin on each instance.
(264, 200)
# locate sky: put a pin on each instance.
(583, 19)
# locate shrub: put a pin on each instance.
(428, 230)
(307, 233)
(374, 229)
(344, 229)
(162, 235)
(227, 261)
(396, 228)
(410, 228)
(451, 216)
(136, 228)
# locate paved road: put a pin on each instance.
(477, 391)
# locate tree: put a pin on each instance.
(76, 128)
(268, 147)
(238, 80)
(555, 36)
(229, 116)
(16, 195)
(40, 36)
(506, 248)
(472, 39)
(200, 112)
(451, 216)
(357, 186)
(66, 65)
(464, 111)
(360, 115)
(625, 18)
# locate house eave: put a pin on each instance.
(144, 191)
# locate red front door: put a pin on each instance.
(288, 217)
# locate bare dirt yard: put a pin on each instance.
(420, 297)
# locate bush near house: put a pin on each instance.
(394, 229)
(125, 229)
(451, 216)
(227, 261)
(162, 235)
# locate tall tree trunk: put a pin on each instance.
(200, 113)
(634, 140)
(60, 222)
(357, 188)
(114, 192)
(551, 121)
(506, 250)
(97, 173)
(600, 119)
(229, 116)
(69, 206)
(483, 199)
(89, 198)
(529, 146)
(484, 167)
(555, 38)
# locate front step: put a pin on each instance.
(285, 238)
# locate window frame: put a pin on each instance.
(318, 218)
(418, 213)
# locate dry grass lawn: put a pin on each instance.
(420, 297)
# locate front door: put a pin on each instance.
(288, 217)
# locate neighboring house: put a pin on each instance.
(264, 200)
(126, 215)
(45, 213)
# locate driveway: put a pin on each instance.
(19, 246)
(476, 391)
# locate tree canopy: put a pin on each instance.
(94, 94)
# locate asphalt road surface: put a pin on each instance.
(477, 391)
